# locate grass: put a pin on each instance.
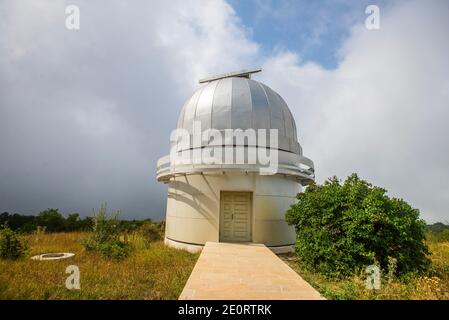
(434, 285)
(151, 272)
(160, 272)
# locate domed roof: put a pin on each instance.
(237, 102)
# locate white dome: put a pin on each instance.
(229, 189)
(240, 103)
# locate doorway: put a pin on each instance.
(235, 216)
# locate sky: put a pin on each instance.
(85, 114)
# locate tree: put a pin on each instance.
(11, 246)
(342, 228)
(73, 222)
(106, 236)
(18, 222)
(51, 219)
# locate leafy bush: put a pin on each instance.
(73, 222)
(106, 236)
(438, 236)
(152, 231)
(17, 221)
(51, 219)
(343, 228)
(114, 249)
(437, 227)
(11, 246)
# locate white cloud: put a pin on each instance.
(383, 111)
(84, 115)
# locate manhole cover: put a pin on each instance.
(53, 256)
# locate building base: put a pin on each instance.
(194, 248)
(190, 247)
(282, 249)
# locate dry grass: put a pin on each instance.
(159, 272)
(432, 286)
(151, 272)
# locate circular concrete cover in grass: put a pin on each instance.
(53, 256)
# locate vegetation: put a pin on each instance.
(343, 228)
(438, 232)
(152, 231)
(53, 221)
(149, 272)
(147, 269)
(11, 246)
(118, 259)
(106, 236)
(432, 284)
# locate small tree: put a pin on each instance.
(105, 238)
(343, 228)
(152, 231)
(11, 246)
(51, 219)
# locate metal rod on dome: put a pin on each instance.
(242, 74)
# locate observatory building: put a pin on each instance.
(235, 166)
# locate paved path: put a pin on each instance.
(239, 271)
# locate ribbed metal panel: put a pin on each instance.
(241, 112)
(221, 108)
(261, 112)
(204, 106)
(240, 103)
(276, 113)
(189, 113)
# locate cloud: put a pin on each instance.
(312, 29)
(84, 115)
(383, 111)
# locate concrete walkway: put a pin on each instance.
(239, 271)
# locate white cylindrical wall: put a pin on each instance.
(193, 206)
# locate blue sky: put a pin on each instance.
(313, 29)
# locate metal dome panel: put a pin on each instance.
(221, 109)
(240, 103)
(241, 116)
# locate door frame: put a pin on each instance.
(251, 215)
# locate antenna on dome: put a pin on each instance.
(246, 73)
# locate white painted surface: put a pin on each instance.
(193, 207)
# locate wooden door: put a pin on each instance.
(235, 216)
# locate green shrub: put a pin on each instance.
(342, 228)
(438, 236)
(11, 246)
(152, 231)
(110, 249)
(51, 219)
(437, 227)
(106, 236)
